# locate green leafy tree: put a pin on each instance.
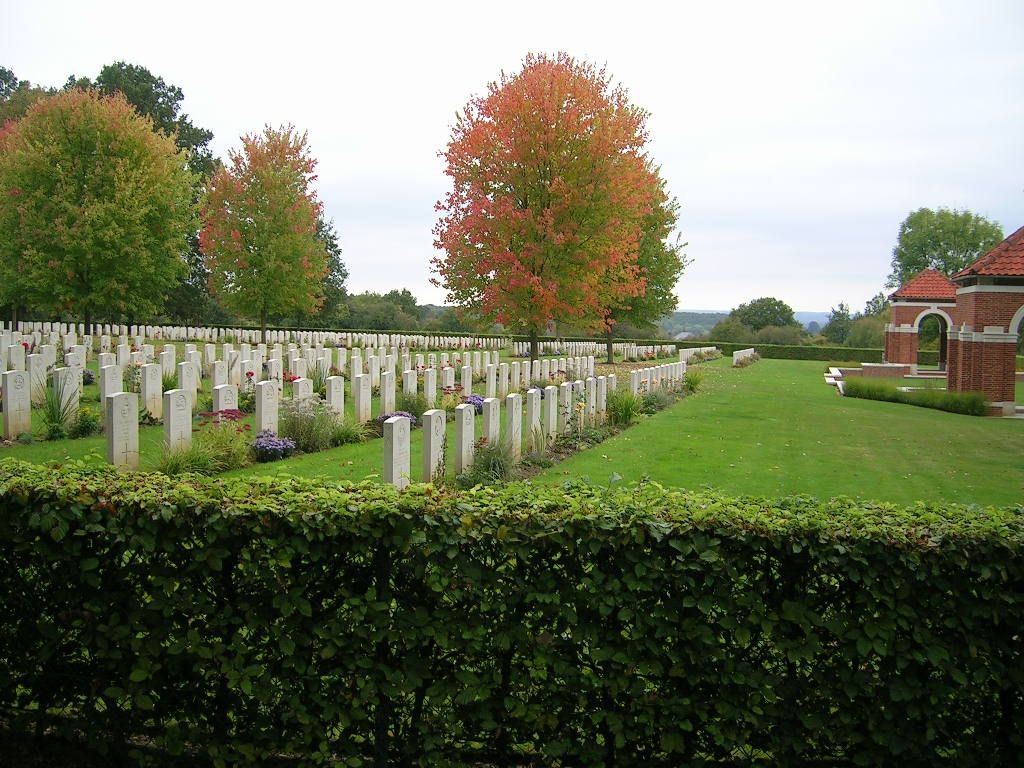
(16, 96)
(161, 102)
(94, 209)
(760, 313)
(390, 311)
(945, 240)
(867, 332)
(876, 306)
(259, 233)
(731, 329)
(838, 326)
(660, 262)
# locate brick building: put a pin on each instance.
(982, 347)
(980, 311)
(930, 294)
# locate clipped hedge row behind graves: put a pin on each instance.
(613, 627)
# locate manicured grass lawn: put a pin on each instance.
(771, 429)
(775, 429)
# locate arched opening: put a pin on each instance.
(932, 330)
(1017, 326)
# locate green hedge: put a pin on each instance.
(966, 403)
(356, 625)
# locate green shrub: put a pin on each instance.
(414, 404)
(346, 433)
(57, 412)
(967, 403)
(656, 399)
(308, 423)
(623, 407)
(219, 444)
(492, 463)
(85, 424)
(515, 624)
(692, 380)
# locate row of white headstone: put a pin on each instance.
(742, 355)
(627, 350)
(555, 410)
(41, 330)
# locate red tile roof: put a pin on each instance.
(929, 284)
(1005, 260)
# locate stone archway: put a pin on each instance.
(930, 293)
(945, 323)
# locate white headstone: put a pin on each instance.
(434, 425)
(266, 406)
(17, 403)
(492, 420)
(514, 425)
(177, 408)
(410, 382)
(396, 450)
(464, 419)
(152, 390)
(361, 392)
(551, 410)
(225, 397)
(533, 433)
(430, 386)
(121, 422)
(302, 389)
(336, 394)
(387, 392)
(187, 381)
(36, 365)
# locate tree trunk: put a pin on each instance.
(608, 344)
(263, 326)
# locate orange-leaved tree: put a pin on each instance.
(550, 187)
(259, 236)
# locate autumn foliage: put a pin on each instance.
(550, 187)
(259, 235)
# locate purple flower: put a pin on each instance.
(476, 401)
(268, 447)
(385, 416)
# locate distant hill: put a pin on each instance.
(700, 321)
(693, 322)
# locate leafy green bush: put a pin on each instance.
(346, 433)
(309, 423)
(219, 444)
(655, 399)
(57, 411)
(492, 463)
(354, 624)
(692, 380)
(414, 404)
(622, 407)
(85, 424)
(967, 403)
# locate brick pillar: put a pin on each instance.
(984, 362)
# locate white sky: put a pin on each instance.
(795, 135)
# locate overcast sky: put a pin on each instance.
(796, 136)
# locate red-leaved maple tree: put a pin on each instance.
(259, 236)
(550, 187)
